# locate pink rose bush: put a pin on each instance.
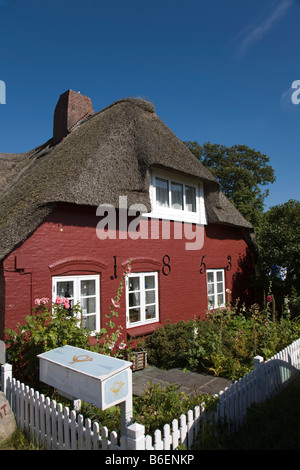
(59, 301)
(63, 300)
(43, 301)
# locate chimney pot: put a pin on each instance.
(71, 108)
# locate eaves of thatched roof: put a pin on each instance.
(107, 155)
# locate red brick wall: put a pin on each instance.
(67, 243)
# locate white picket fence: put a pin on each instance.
(52, 426)
(57, 428)
(264, 381)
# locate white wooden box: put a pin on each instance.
(101, 380)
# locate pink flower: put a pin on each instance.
(63, 300)
(128, 270)
(115, 304)
(59, 300)
(269, 298)
(43, 300)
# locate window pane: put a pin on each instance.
(65, 289)
(190, 198)
(149, 282)
(89, 322)
(150, 297)
(88, 287)
(134, 315)
(141, 298)
(88, 305)
(162, 193)
(215, 288)
(150, 312)
(176, 195)
(134, 283)
(220, 287)
(210, 289)
(134, 299)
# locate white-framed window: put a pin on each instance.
(83, 290)
(176, 198)
(141, 298)
(215, 288)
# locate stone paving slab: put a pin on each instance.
(190, 382)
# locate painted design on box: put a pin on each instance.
(77, 358)
(116, 388)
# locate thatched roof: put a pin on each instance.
(107, 155)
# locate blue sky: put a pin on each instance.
(217, 70)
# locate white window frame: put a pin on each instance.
(76, 280)
(143, 320)
(216, 293)
(169, 213)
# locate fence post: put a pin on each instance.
(6, 378)
(135, 437)
(259, 369)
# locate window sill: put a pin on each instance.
(142, 329)
(180, 216)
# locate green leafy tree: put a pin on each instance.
(242, 173)
(278, 239)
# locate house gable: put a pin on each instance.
(49, 199)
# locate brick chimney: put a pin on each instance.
(71, 108)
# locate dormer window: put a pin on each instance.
(162, 192)
(175, 195)
(176, 198)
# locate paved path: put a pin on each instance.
(190, 382)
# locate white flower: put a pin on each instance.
(115, 303)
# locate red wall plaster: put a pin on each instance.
(67, 243)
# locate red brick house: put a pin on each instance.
(109, 187)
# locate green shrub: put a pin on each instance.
(55, 324)
(49, 326)
(167, 347)
(160, 405)
(224, 343)
(156, 407)
(189, 345)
